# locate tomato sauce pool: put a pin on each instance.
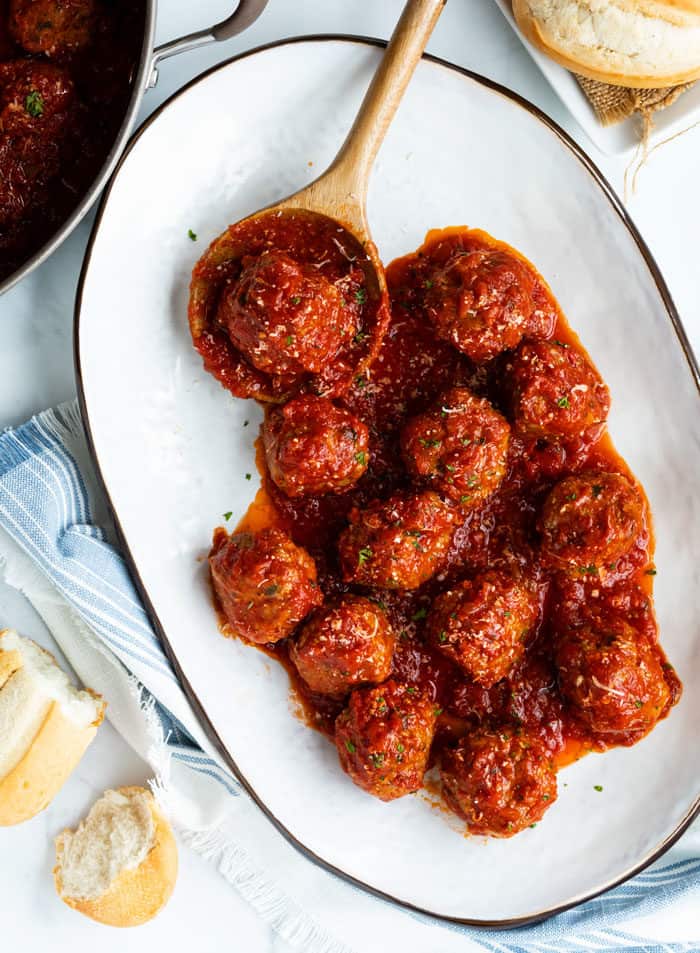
(504, 532)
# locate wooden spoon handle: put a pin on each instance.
(354, 161)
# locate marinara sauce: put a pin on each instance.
(556, 525)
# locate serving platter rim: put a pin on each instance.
(194, 700)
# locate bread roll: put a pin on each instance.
(638, 43)
(119, 867)
(45, 726)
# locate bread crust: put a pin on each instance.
(46, 765)
(135, 896)
(636, 43)
(54, 752)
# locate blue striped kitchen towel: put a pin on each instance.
(53, 516)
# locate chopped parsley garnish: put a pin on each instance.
(571, 497)
(589, 570)
(411, 690)
(382, 705)
(442, 636)
(227, 516)
(400, 748)
(350, 746)
(561, 343)
(597, 787)
(359, 337)
(360, 296)
(429, 443)
(361, 457)
(377, 758)
(191, 235)
(420, 614)
(597, 490)
(464, 498)
(248, 476)
(34, 104)
(271, 590)
(448, 466)
(245, 423)
(649, 572)
(437, 712)
(361, 382)
(296, 299)
(638, 703)
(289, 339)
(428, 284)
(363, 556)
(563, 402)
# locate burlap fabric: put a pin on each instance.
(615, 103)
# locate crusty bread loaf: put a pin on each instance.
(119, 867)
(45, 726)
(638, 43)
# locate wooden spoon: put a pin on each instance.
(340, 192)
(337, 198)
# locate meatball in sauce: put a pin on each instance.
(484, 624)
(344, 644)
(397, 543)
(313, 447)
(589, 520)
(499, 782)
(460, 447)
(264, 583)
(612, 677)
(482, 302)
(56, 28)
(285, 318)
(383, 739)
(556, 391)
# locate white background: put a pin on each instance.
(36, 371)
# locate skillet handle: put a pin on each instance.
(246, 12)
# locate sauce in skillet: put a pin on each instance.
(66, 70)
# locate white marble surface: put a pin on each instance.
(36, 370)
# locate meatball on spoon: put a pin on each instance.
(270, 327)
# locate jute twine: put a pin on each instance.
(614, 104)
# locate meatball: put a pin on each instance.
(589, 520)
(611, 676)
(498, 782)
(36, 103)
(285, 318)
(344, 645)
(32, 97)
(265, 584)
(483, 625)
(53, 27)
(313, 447)
(397, 543)
(461, 447)
(482, 302)
(383, 738)
(556, 391)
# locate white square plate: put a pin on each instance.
(624, 136)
